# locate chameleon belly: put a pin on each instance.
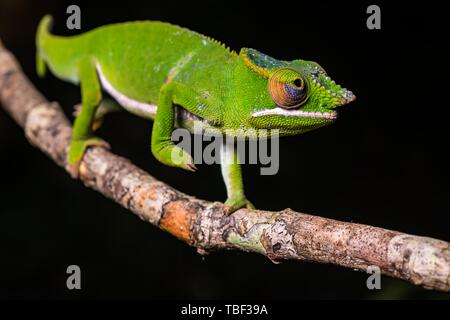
(139, 108)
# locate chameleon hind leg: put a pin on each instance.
(162, 146)
(106, 106)
(232, 175)
(82, 133)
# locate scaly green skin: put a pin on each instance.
(175, 68)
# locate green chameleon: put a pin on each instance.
(180, 78)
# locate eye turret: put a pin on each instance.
(288, 88)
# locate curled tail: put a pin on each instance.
(42, 36)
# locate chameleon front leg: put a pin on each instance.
(91, 96)
(232, 176)
(162, 146)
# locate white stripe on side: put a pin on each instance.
(122, 99)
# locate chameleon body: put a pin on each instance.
(178, 77)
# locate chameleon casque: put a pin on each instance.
(179, 78)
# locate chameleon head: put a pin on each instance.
(300, 95)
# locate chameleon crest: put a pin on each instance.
(260, 62)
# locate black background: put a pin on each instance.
(384, 163)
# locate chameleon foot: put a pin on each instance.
(174, 156)
(77, 149)
(234, 204)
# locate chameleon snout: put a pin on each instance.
(347, 96)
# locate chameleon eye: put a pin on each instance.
(287, 88)
(298, 82)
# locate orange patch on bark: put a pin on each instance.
(177, 220)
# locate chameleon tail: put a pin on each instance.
(42, 35)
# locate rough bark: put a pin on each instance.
(278, 235)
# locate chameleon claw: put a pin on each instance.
(191, 167)
(187, 163)
(175, 156)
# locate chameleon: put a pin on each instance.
(180, 78)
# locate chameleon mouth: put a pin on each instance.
(296, 113)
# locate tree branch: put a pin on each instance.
(278, 235)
